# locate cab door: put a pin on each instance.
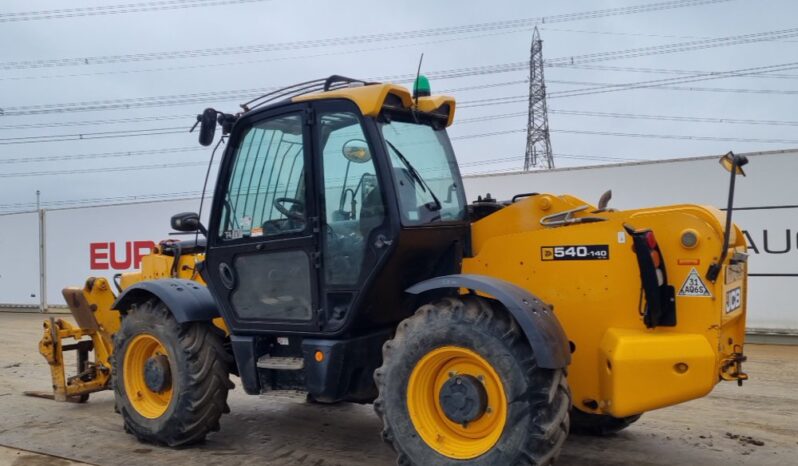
(263, 234)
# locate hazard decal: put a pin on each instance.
(694, 286)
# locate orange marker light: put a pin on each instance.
(319, 356)
(688, 261)
(656, 259)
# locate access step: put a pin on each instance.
(281, 363)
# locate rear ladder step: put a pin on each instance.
(281, 363)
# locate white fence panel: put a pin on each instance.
(19, 259)
(102, 241)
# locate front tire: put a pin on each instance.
(460, 384)
(170, 380)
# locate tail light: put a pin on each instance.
(660, 305)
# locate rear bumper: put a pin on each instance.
(640, 370)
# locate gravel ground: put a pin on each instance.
(756, 424)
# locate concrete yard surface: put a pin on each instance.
(17, 457)
(754, 424)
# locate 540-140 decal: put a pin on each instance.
(581, 252)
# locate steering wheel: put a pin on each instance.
(292, 214)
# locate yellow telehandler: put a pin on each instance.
(342, 259)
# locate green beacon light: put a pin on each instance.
(421, 87)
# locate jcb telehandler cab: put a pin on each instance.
(342, 260)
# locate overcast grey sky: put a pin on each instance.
(22, 87)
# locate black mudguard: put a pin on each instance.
(537, 320)
(188, 301)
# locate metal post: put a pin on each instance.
(42, 256)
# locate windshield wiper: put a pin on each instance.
(437, 203)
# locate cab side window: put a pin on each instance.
(266, 191)
(353, 202)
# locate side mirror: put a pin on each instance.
(207, 121)
(356, 150)
(187, 222)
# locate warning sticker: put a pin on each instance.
(694, 286)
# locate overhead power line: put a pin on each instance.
(632, 34)
(636, 135)
(678, 80)
(678, 136)
(632, 69)
(101, 155)
(635, 116)
(85, 171)
(292, 56)
(59, 124)
(138, 102)
(677, 47)
(213, 96)
(473, 103)
(104, 10)
(477, 119)
(612, 87)
(21, 206)
(491, 161)
(465, 104)
(89, 136)
(528, 23)
(691, 119)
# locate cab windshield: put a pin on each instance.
(425, 171)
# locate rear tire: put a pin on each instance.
(193, 397)
(583, 423)
(476, 339)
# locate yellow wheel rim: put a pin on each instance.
(427, 415)
(148, 403)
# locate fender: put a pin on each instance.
(188, 301)
(536, 318)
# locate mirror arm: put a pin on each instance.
(715, 267)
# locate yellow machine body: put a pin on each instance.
(619, 366)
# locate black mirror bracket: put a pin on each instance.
(737, 161)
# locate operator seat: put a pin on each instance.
(372, 212)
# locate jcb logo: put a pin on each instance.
(734, 299)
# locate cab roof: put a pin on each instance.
(371, 98)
